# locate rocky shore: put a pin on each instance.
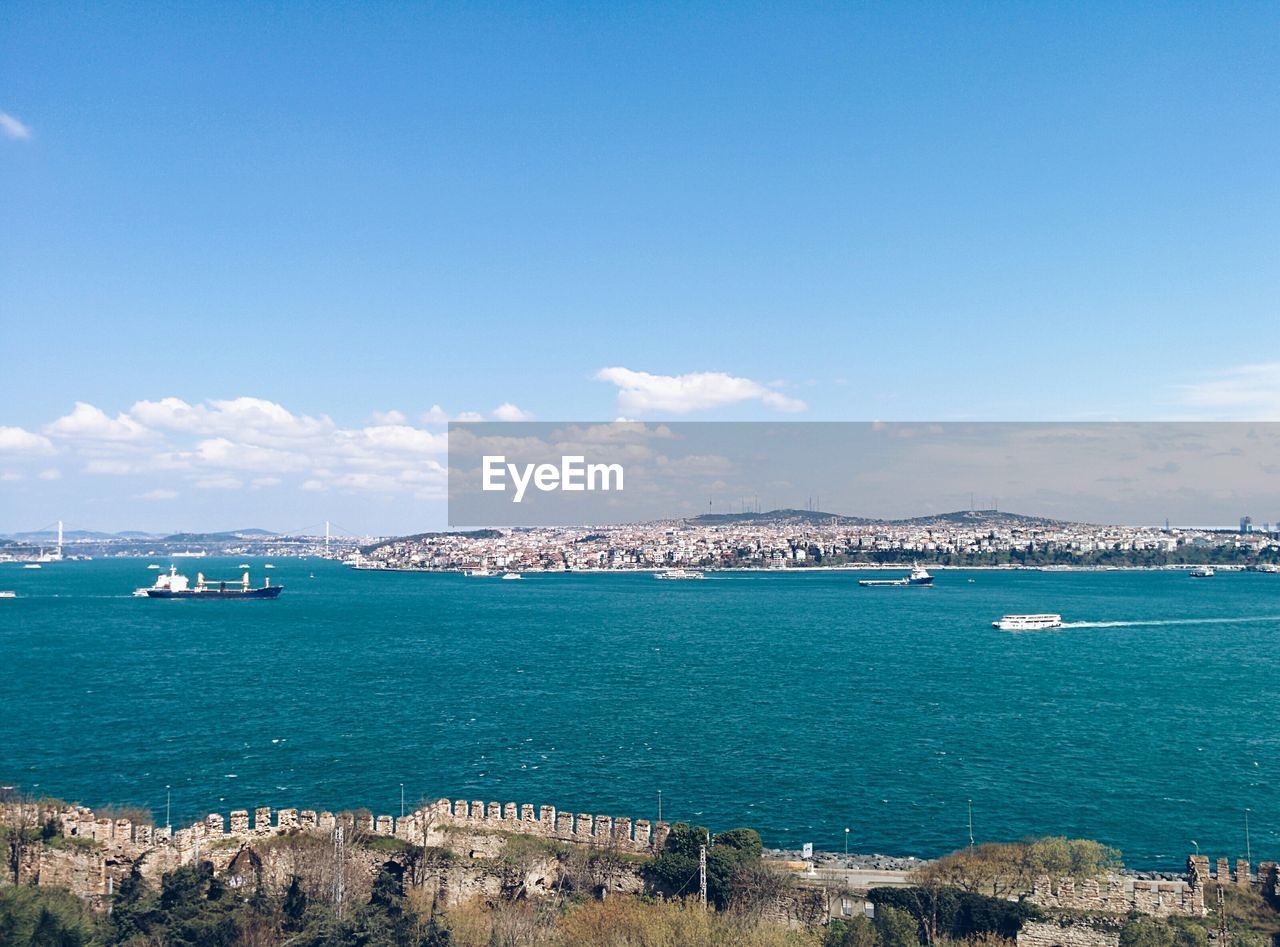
(852, 860)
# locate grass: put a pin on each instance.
(72, 843)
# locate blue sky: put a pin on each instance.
(316, 215)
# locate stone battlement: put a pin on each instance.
(424, 826)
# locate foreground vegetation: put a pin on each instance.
(975, 898)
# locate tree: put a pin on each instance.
(896, 928)
(295, 903)
(855, 932)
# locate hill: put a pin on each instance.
(978, 518)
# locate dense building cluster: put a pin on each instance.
(810, 540)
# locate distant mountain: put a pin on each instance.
(776, 516)
(72, 535)
(218, 537)
(979, 518)
(958, 518)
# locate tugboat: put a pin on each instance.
(177, 586)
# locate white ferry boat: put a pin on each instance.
(32, 565)
(512, 575)
(8, 594)
(919, 577)
(154, 567)
(678, 574)
(1027, 622)
(1201, 572)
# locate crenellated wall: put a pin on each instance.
(1119, 895)
(423, 827)
(617, 832)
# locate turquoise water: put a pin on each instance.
(797, 703)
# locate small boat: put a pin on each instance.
(8, 594)
(1201, 572)
(512, 575)
(1028, 622)
(32, 565)
(244, 565)
(678, 574)
(153, 567)
(268, 566)
(311, 576)
(1270, 568)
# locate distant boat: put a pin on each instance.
(1028, 622)
(512, 575)
(1202, 572)
(268, 566)
(153, 567)
(1268, 567)
(311, 576)
(678, 574)
(919, 577)
(8, 594)
(32, 565)
(244, 565)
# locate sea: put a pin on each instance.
(794, 702)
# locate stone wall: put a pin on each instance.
(1118, 895)
(1068, 933)
(107, 850)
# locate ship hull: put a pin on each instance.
(271, 591)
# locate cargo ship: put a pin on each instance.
(173, 585)
(919, 578)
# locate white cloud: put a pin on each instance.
(641, 393)
(219, 483)
(250, 420)
(50, 473)
(1245, 393)
(20, 441)
(10, 476)
(470, 416)
(10, 127)
(86, 422)
(225, 444)
(509, 412)
(437, 415)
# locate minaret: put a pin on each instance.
(326, 538)
(59, 539)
